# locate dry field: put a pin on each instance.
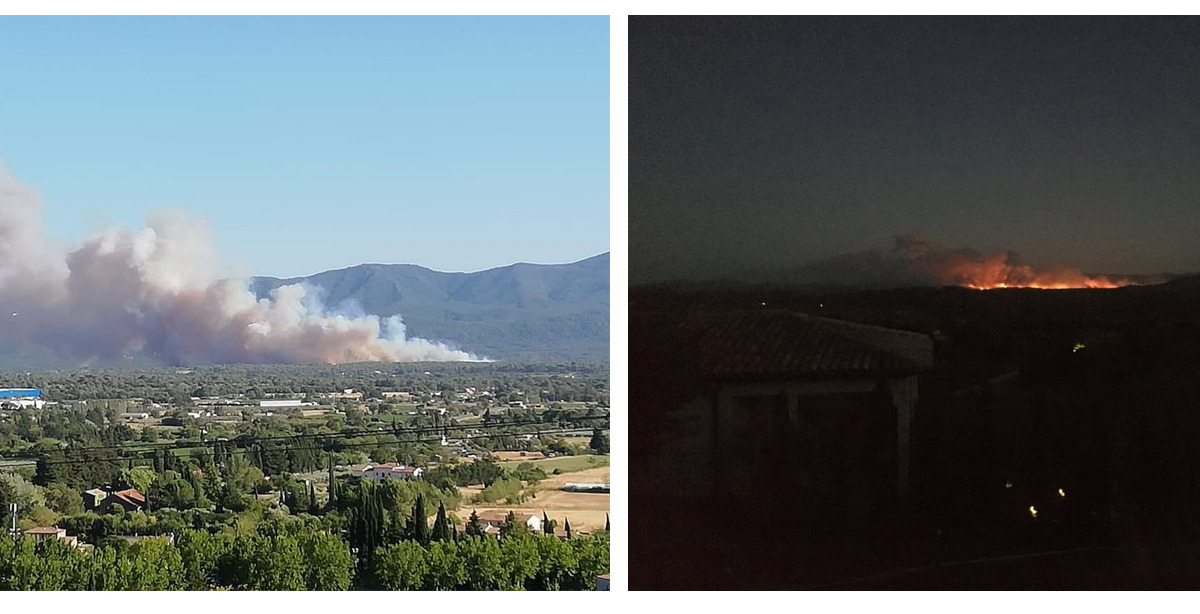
(586, 511)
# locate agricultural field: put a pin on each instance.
(564, 464)
(586, 511)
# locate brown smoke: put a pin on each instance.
(155, 291)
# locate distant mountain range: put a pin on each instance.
(515, 311)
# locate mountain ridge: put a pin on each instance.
(521, 309)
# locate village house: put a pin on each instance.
(496, 519)
(386, 471)
(101, 501)
(42, 533)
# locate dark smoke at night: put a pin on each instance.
(914, 260)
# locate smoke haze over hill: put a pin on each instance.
(154, 291)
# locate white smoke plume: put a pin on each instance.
(155, 291)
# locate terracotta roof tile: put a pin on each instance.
(131, 495)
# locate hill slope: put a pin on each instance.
(558, 310)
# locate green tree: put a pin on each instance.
(481, 564)
(333, 493)
(599, 442)
(156, 566)
(401, 567)
(200, 553)
(419, 522)
(327, 562)
(277, 564)
(138, 477)
(441, 527)
(556, 562)
(474, 526)
(592, 559)
(367, 521)
(446, 571)
(27, 496)
(63, 499)
(200, 500)
(51, 467)
(8, 494)
(513, 527)
(518, 559)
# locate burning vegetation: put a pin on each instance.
(922, 262)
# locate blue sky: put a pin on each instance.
(457, 143)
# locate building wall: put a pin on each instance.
(904, 397)
(719, 441)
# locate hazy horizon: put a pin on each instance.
(315, 143)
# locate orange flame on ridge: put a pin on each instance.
(997, 272)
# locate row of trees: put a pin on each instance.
(560, 381)
(196, 561)
(285, 556)
(515, 562)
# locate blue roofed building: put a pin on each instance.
(21, 397)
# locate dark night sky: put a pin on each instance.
(759, 143)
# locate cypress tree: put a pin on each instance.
(420, 522)
(368, 523)
(441, 527)
(547, 528)
(567, 523)
(312, 499)
(606, 527)
(197, 487)
(332, 485)
(43, 476)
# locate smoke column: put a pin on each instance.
(155, 291)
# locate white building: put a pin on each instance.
(387, 471)
(284, 403)
(22, 397)
(497, 518)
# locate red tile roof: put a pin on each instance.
(131, 496)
